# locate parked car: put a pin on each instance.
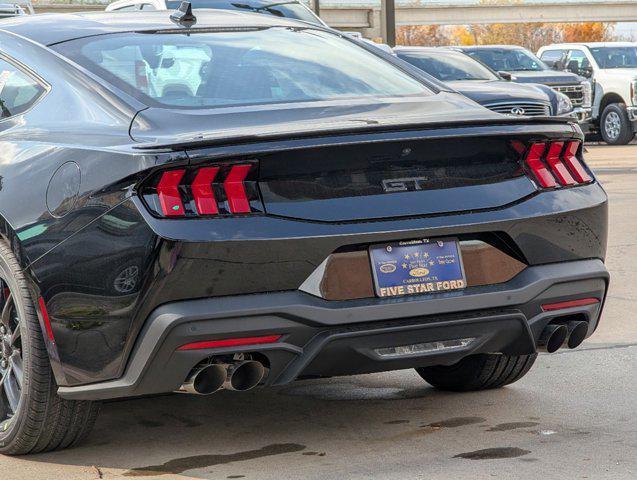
(522, 66)
(612, 67)
(296, 205)
(484, 86)
(16, 8)
(289, 9)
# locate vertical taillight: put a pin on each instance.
(235, 190)
(573, 163)
(168, 193)
(554, 164)
(226, 189)
(538, 167)
(205, 201)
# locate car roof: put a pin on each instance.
(591, 44)
(49, 29)
(410, 48)
(490, 47)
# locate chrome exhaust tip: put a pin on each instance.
(552, 338)
(577, 332)
(244, 376)
(206, 380)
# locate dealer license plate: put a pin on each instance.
(417, 266)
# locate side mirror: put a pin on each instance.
(573, 67)
(505, 76)
(557, 65)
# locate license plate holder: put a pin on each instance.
(415, 267)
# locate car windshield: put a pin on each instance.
(278, 9)
(247, 67)
(448, 66)
(615, 57)
(509, 60)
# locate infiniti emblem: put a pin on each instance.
(517, 111)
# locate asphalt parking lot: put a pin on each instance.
(574, 416)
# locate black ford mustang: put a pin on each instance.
(233, 200)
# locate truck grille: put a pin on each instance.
(574, 92)
(516, 108)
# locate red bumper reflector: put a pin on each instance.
(168, 193)
(569, 304)
(45, 318)
(538, 167)
(231, 342)
(202, 191)
(235, 191)
(574, 165)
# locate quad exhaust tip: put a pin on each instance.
(244, 376)
(239, 376)
(552, 338)
(576, 333)
(205, 380)
(557, 335)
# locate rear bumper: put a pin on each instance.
(326, 338)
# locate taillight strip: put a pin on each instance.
(554, 160)
(537, 166)
(202, 192)
(575, 166)
(168, 193)
(235, 191)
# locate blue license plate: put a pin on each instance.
(417, 266)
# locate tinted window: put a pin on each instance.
(278, 9)
(215, 69)
(18, 91)
(508, 60)
(615, 57)
(553, 58)
(577, 58)
(448, 66)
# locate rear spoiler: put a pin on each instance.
(524, 125)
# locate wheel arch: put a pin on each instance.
(608, 99)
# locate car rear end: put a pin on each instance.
(319, 229)
(369, 251)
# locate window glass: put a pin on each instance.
(615, 57)
(290, 9)
(508, 60)
(553, 58)
(583, 65)
(224, 68)
(448, 66)
(127, 8)
(18, 91)
(147, 7)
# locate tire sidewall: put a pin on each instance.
(626, 133)
(18, 421)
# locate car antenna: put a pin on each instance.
(184, 16)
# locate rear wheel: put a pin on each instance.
(32, 417)
(478, 372)
(615, 125)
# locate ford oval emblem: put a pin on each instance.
(419, 272)
(388, 268)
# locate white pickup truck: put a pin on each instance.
(612, 68)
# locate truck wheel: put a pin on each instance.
(478, 372)
(615, 126)
(32, 417)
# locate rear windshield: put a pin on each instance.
(230, 68)
(448, 66)
(615, 57)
